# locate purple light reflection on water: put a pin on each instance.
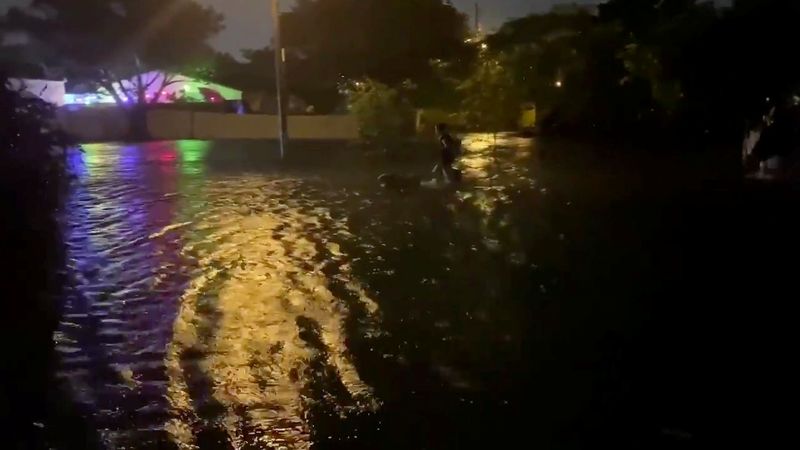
(126, 272)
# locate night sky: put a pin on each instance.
(248, 24)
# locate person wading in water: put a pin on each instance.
(451, 149)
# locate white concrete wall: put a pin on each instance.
(98, 124)
(95, 124)
(170, 124)
(234, 126)
(323, 127)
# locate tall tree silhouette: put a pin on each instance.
(104, 41)
(385, 40)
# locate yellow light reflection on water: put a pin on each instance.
(259, 275)
(482, 163)
(477, 163)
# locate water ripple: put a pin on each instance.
(200, 309)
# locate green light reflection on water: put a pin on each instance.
(193, 154)
(94, 158)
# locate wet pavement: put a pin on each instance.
(220, 298)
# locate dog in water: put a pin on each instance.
(393, 181)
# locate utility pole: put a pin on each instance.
(477, 18)
(280, 73)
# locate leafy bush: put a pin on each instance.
(384, 115)
(33, 178)
(32, 181)
(32, 156)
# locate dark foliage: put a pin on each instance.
(678, 67)
(33, 152)
(388, 41)
(33, 179)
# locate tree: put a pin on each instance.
(566, 64)
(744, 66)
(389, 41)
(641, 66)
(624, 70)
(104, 42)
(256, 72)
(384, 115)
(658, 38)
(711, 70)
(107, 41)
(491, 97)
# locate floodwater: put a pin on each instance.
(220, 298)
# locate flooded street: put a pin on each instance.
(219, 298)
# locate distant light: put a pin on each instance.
(484, 46)
(559, 83)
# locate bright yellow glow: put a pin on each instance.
(259, 275)
(559, 83)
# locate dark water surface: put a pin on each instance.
(220, 298)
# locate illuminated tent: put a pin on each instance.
(164, 88)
